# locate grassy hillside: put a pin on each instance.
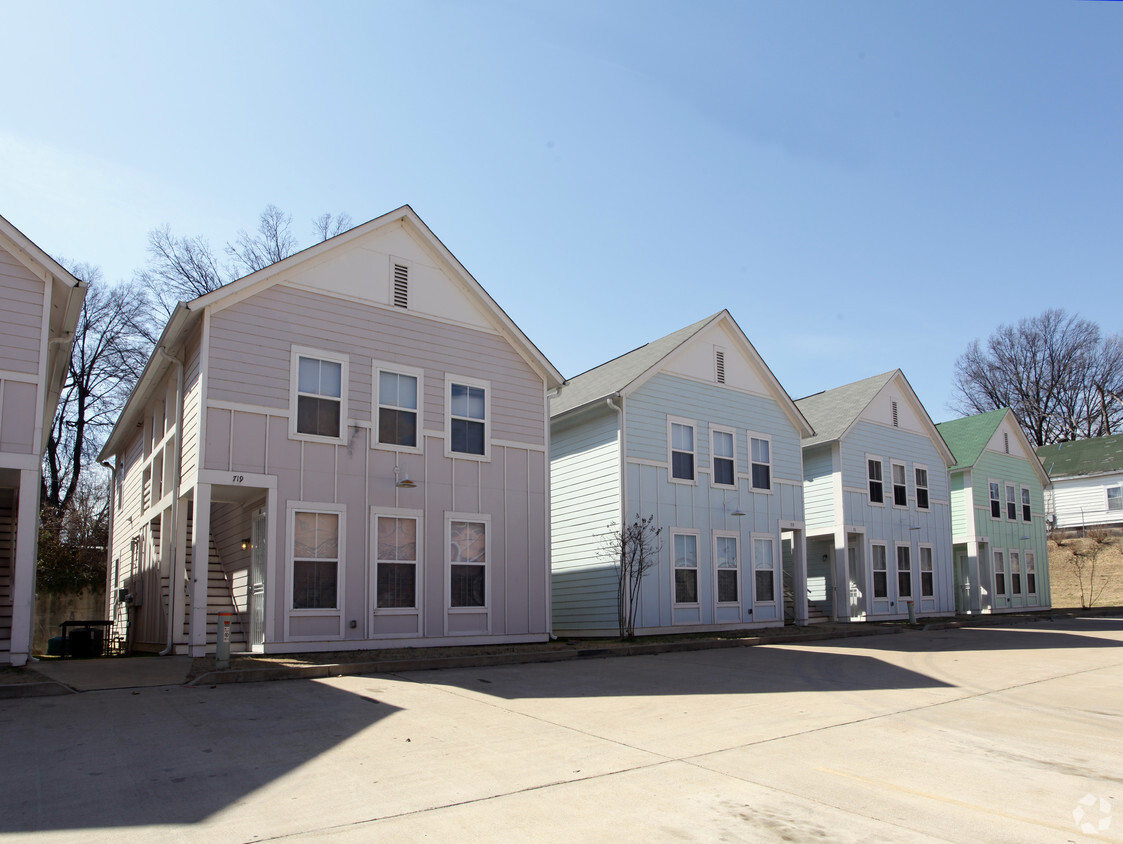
(1107, 586)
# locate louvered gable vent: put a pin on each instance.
(719, 365)
(401, 286)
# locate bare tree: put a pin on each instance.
(109, 353)
(180, 269)
(1055, 371)
(634, 550)
(72, 542)
(327, 226)
(1082, 561)
(273, 241)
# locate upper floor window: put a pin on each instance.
(318, 395)
(1115, 498)
(723, 455)
(398, 396)
(921, 487)
(1011, 502)
(877, 488)
(761, 448)
(900, 485)
(682, 451)
(467, 423)
(995, 500)
(1027, 510)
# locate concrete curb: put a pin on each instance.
(48, 688)
(394, 666)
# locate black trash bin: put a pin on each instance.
(80, 643)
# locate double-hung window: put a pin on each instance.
(921, 474)
(398, 393)
(318, 395)
(880, 571)
(1015, 573)
(725, 466)
(877, 488)
(315, 560)
(927, 574)
(761, 448)
(1011, 502)
(1115, 498)
(728, 569)
(685, 548)
(682, 451)
(904, 571)
(395, 562)
(1027, 510)
(999, 574)
(900, 485)
(995, 500)
(764, 565)
(1031, 573)
(467, 542)
(468, 418)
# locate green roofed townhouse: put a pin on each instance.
(1086, 483)
(998, 515)
(876, 496)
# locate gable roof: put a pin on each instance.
(186, 315)
(626, 373)
(834, 412)
(968, 438)
(67, 295)
(1096, 456)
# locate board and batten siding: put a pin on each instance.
(585, 498)
(251, 342)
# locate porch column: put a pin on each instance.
(840, 577)
(974, 598)
(200, 565)
(799, 576)
(23, 565)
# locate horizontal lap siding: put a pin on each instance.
(192, 404)
(1083, 501)
(818, 487)
(585, 500)
(21, 316)
(251, 342)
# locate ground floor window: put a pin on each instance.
(395, 562)
(315, 560)
(686, 567)
(927, 575)
(726, 562)
(880, 563)
(1015, 573)
(999, 573)
(904, 571)
(467, 563)
(1031, 573)
(764, 564)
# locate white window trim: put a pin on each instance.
(1029, 563)
(728, 534)
(994, 555)
(893, 483)
(397, 513)
(1011, 554)
(379, 367)
(295, 354)
(897, 574)
(1022, 489)
(888, 596)
(715, 429)
(777, 573)
(340, 576)
(489, 545)
(1107, 499)
(920, 547)
(756, 435)
(697, 534)
(927, 487)
(1007, 486)
(690, 423)
(991, 500)
(467, 382)
(869, 498)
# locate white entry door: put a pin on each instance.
(257, 582)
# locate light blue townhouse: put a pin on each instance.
(876, 492)
(694, 430)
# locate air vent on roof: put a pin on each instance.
(895, 425)
(401, 286)
(719, 365)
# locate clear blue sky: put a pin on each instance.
(865, 185)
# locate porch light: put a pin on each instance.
(247, 544)
(738, 512)
(401, 480)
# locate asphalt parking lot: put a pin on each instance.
(992, 734)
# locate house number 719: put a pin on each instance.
(239, 479)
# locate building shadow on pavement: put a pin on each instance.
(1037, 635)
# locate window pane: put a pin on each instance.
(762, 477)
(760, 451)
(898, 474)
(922, 477)
(922, 499)
(397, 539)
(316, 535)
(723, 471)
(313, 584)
(319, 417)
(331, 377)
(927, 589)
(1115, 498)
(397, 390)
(686, 586)
(880, 584)
(727, 586)
(723, 444)
(467, 586)
(308, 379)
(468, 542)
(397, 585)
(764, 586)
(682, 465)
(682, 437)
(467, 436)
(875, 470)
(397, 427)
(468, 401)
(686, 550)
(726, 552)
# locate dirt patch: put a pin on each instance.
(1104, 588)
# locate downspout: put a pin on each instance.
(173, 583)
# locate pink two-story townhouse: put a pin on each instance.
(355, 440)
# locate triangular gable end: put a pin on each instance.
(1008, 438)
(896, 405)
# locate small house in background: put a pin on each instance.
(40, 304)
(998, 515)
(1086, 479)
(346, 449)
(876, 493)
(694, 430)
